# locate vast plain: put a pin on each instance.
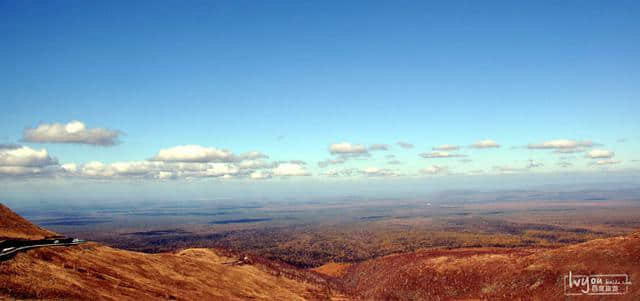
(314, 233)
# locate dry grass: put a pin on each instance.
(14, 226)
(92, 271)
(333, 269)
(493, 273)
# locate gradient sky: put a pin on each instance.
(289, 79)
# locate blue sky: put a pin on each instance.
(289, 79)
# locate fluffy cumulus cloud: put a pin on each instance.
(344, 151)
(446, 147)
(25, 156)
(72, 132)
(440, 155)
(149, 170)
(487, 143)
(253, 164)
(290, 170)
(220, 170)
(194, 153)
(180, 162)
(346, 148)
(24, 161)
(600, 154)
(434, 169)
(96, 169)
(405, 145)
(562, 146)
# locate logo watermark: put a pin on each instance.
(601, 284)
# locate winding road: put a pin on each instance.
(8, 248)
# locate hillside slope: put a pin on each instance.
(94, 271)
(495, 274)
(97, 272)
(15, 227)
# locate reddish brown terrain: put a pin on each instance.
(495, 274)
(95, 271)
(14, 226)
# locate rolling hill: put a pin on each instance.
(95, 271)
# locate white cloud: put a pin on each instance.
(149, 170)
(379, 147)
(22, 171)
(253, 155)
(562, 145)
(346, 148)
(434, 169)
(194, 153)
(290, 169)
(24, 161)
(69, 167)
(331, 173)
(405, 145)
(220, 170)
(252, 164)
(343, 173)
(569, 150)
(446, 147)
(260, 175)
(394, 162)
(181, 162)
(487, 143)
(165, 175)
(96, 169)
(607, 162)
(26, 157)
(72, 132)
(440, 155)
(599, 154)
(378, 172)
(325, 163)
